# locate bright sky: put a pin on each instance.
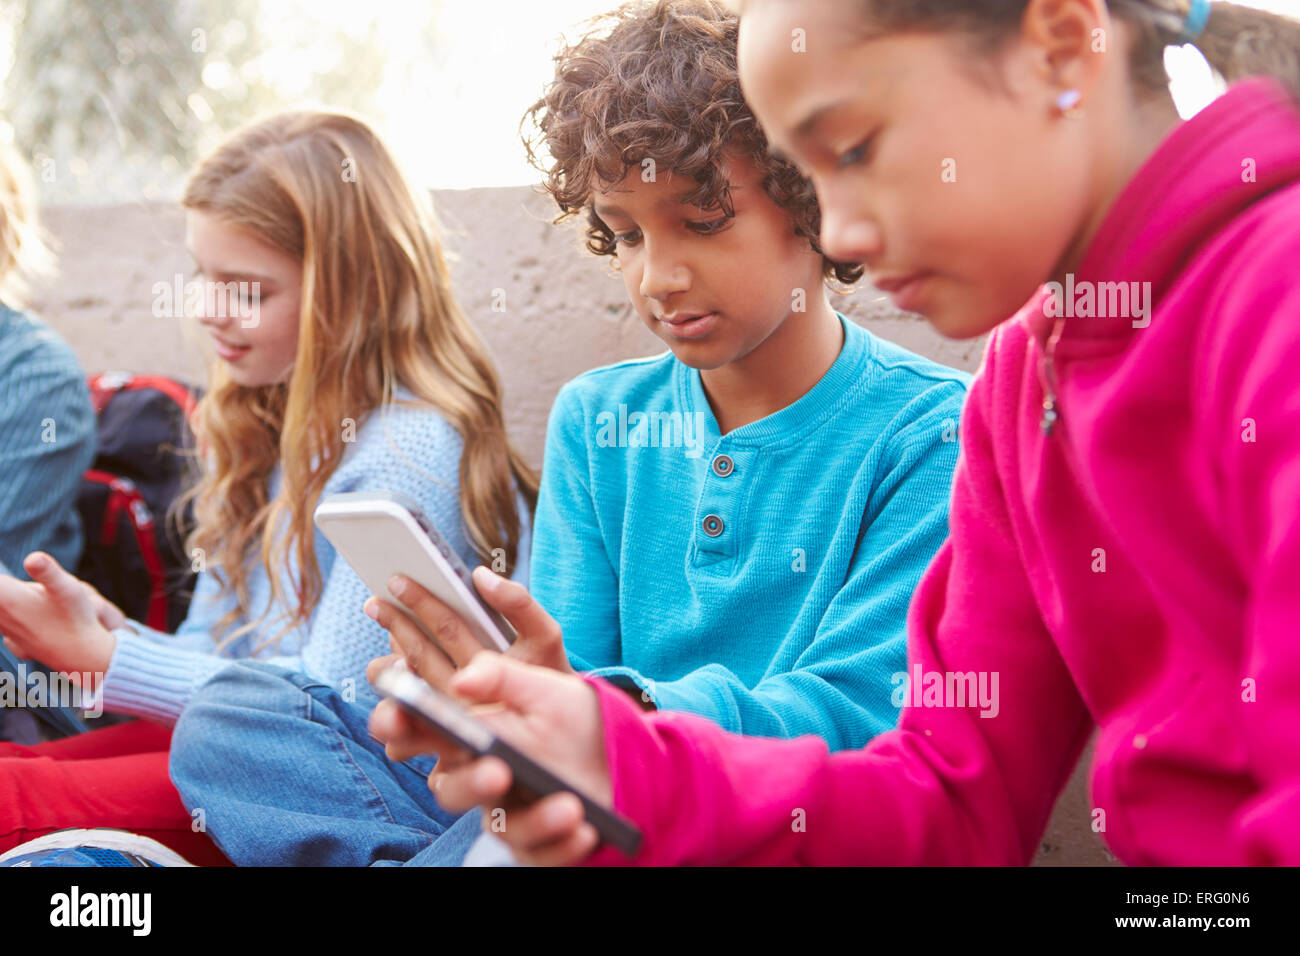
(491, 76)
(453, 116)
(1194, 86)
(465, 105)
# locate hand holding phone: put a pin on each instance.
(384, 534)
(551, 717)
(538, 640)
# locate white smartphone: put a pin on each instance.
(383, 533)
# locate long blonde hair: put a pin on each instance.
(24, 249)
(377, 311)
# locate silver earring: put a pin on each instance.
(1068, 104)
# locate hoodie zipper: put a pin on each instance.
(1047, 379)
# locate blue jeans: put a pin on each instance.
(286, 774)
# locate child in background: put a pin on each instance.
(716, 520)
(348, 367)
(47, 427)
(1125, 539)
(756, 573)
(734, 527)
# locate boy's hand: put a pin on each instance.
(539, 642)
(57, 619)
(552, 718)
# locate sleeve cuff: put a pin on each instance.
(629, 681)
(146, 678)
(641, 771)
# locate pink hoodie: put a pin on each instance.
(1137, 569)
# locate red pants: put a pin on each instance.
(115, 777)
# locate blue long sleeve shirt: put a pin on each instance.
(47, 440)
(760, 578)
(410, 450)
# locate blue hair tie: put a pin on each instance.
(1198, 15)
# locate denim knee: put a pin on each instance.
(253, 684)
(225, 703)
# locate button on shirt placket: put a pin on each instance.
(717, 514)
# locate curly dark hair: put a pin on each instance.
(659, 80)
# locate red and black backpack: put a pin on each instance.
(134, 554)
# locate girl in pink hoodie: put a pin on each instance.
(1125, 527)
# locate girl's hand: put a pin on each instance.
(58, 620)
(539, 642)
(552, 718)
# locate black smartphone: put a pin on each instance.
(532, 781)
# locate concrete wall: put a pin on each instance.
(565, 312)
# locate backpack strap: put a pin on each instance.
(173, 389)
(125, 498)
(106, 384)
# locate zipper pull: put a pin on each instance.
(1050, 415)
(1047, 379)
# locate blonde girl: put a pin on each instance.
(343, 364)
